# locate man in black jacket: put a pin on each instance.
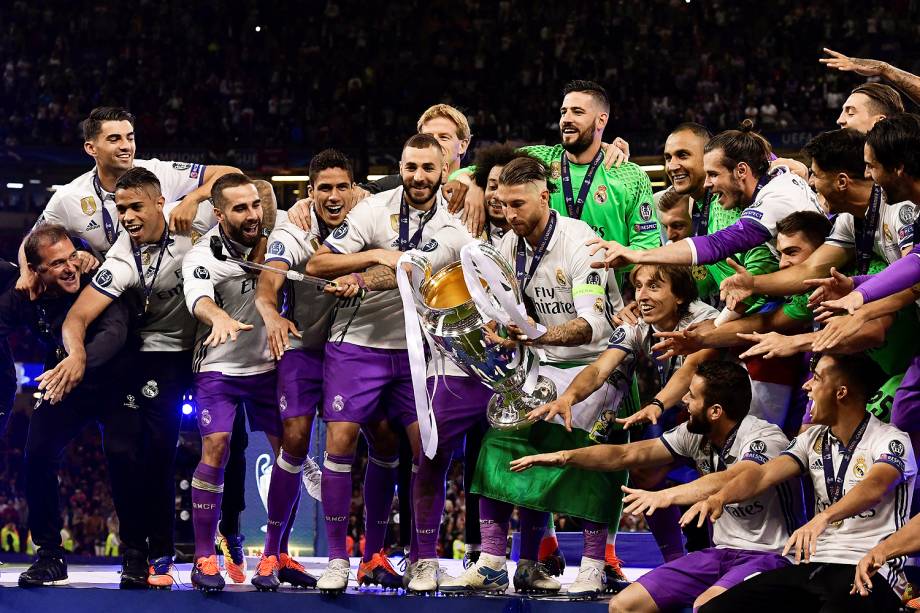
(52, 256)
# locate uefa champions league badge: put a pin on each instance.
(338, 403)
(150, 390)
(130, 402)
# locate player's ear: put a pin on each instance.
(89, 148)
(600, 122)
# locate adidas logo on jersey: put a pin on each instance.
(92, 226)
(818, 464)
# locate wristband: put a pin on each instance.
(656, 402)
(359, 280)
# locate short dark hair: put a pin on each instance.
(41, 235)
(670, 199)
(861, 374)
(422, 141)
(691, 126)
(812, 224)
(523, 169)
(595, 90)
(139, 178)
(742, 145)
(681, 279)
(883, 99)
(727, 385)
(227, 181)
(330, 158)
(92, 125)
(839, 151)
(895, 140)
(491, 156)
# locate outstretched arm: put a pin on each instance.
(608, 458)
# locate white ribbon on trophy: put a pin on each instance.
(477, 266)
(427, 426)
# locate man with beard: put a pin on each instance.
(146, 258)
(723, 441)
(367, 380)
(55, 422)
(296, 339)
(488, 167)
(863, 473)
(221, 295)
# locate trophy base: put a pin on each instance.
(508, 410)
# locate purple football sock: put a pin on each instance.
(282, 494)
(532, 527)
(413, 533)
(336, 492)
(290, 523)
(493, 524)
(665, 527)
(428, 502)
(207, 490)
(379, 485)
(595, 539)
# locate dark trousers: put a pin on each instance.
(471, 446)
(154, 387)
(805, 588)
(234, 500)
(51, 428)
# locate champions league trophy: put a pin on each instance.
(463, 310)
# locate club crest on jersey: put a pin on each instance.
(276, 248)
(151, 390)
(555, 169)
(282, 403)
(338, 403)
(130, 402)
(394, 222)
(146, 258)
(341, 231)
(618, 336)
(886, 231)
(859, 467)
(560, 278)
(201, 273)
(818, 446)
(600, 196)
(430, 245)
(906, 214)
(897, 448)
(205, 417)
(699, 272)
(645, 211)
(104, 278)
(195, 235)
(599, 305)
(88, 205)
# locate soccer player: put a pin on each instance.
(488, 167)
(367, 381)
(553, 268)
(722, 440)
(903, 80)
(54, 423)
(863, 474)
(228, 374)
(296, 339)
(868, 104)
(146, 258)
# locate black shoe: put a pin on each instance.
(616, 580)
(49, 569)
(133, 570)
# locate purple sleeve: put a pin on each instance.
(739, 237)
(860, 279)
(899, 276)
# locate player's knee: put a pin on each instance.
(215, 448)
(296, 436)
(341, 438)
(633, 599)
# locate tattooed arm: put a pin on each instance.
(570, 334)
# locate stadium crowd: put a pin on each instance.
(659, 341)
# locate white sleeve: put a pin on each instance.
(289, 244)
(904, 224)
(680, 442)
(54, 211)
(177, 179)
(779, 198)
(357, 231)
(115, 275)
(799, 446)
(197, 269)
(444, 246)
(843, 234)
(893, 447)
(763, 445)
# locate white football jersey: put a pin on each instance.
(565, 287)
(167, 324)
(233, 289)
(848, 541)
(374, 224)
(85, 209)
(786, 193)
(309, 308)
(895, 230)
(764, 522)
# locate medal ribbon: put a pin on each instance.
(406, 243)
(865, 231)
(520, 266)
(572, 206)
(700, 214)
(834, 484)
(148, 289)
(108, 225)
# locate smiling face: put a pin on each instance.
(726, 183)
(58, 267)
(421, 171)
(581, 121)
(857, 114)
(140, 211)
(445, 131)
(114, 147)
(494, 208)
(657, 303)
(892, 181)
(240, 215)
(332, 193)
(683, 158)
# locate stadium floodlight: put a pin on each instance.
(290, 178)
(14, 186)
(652, 167)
